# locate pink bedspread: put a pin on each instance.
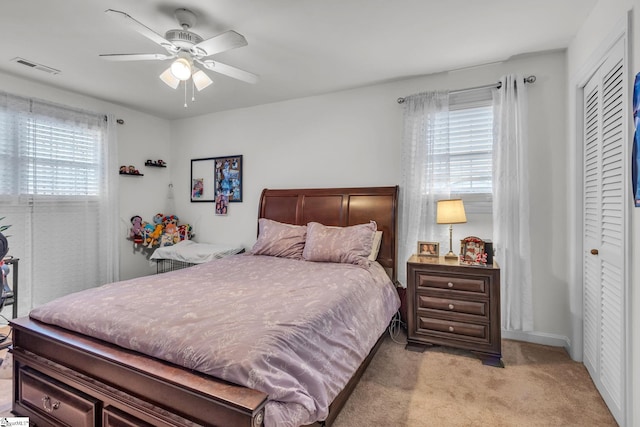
(296, 330)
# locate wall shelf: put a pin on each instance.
(156, 165)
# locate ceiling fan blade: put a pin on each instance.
(136, 56)
(142, 29)
(220, 43)
(228, 70)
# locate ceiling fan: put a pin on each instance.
(188, 50)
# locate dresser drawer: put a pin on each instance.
(475, 308)
(55, 400)
(452, 328)
(112, 417)
(453, 283)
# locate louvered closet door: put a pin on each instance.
(603, 233)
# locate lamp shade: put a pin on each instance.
(450, 212)
(169, 79)
(201, 80)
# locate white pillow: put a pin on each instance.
(375, 247)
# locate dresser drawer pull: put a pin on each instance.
(451, 329)
(451, 307)
(450, 285)
(48, 406)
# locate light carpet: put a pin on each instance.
(539, 386)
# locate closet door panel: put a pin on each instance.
(604, 210)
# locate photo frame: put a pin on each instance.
(472, 251)
(202, 179)
(430, 249)
(228, 177)
(222, 204)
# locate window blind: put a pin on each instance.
(464, 148)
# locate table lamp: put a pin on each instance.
(450, 212)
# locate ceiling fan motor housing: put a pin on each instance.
(182, 38)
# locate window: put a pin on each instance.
(43, 156)
(468, 145)
(58, 191)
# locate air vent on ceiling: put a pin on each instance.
(35, 65)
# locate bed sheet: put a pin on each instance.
(294, 329)
(195, 253)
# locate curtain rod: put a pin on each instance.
(497, 85)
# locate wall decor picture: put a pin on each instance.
(472, 251)
(197, 188)
(222, 204)
(429, 249)
(202, 180)
(228, 177)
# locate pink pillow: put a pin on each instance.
(349, 245)
(279, 239)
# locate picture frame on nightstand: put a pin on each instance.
(472, 251)
(430, 249)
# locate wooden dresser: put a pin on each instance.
(454, 305)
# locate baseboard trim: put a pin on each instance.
(539, 338)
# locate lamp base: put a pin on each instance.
(451, 255)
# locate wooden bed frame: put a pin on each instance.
(61, 377)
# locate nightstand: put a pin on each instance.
(454, 305)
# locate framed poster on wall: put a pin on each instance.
(202, 179)
(228, 177)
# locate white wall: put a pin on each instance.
(587, 46)
(353, 138)
(141, 137)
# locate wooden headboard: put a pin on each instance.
(340, 207)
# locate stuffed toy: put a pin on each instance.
(157, 218)
(147, 229)
(170, 236)
(170, 219)
(184, 232)
(154, 237)
(136, 230)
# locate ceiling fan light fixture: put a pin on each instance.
(201, 80)
(168, 77)
(181, 69)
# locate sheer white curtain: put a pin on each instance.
(426, 125)
(58, 190)
(511, 234)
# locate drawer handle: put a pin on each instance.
(450, 285)
(48, 406)
(450, 328)
(451, 306)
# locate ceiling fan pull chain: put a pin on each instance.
(185, 94)
(193, 90)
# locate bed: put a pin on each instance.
(81, 374)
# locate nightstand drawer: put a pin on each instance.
(453, 283)
(477, 308)
(426, 324)
(55, 400)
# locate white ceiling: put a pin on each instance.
(297, 47)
